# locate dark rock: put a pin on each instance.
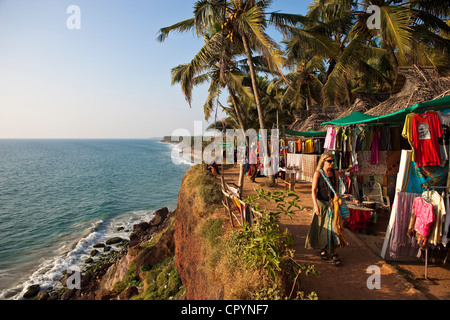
(105, 295)
(160, 216)
(114, 240)
(63, 280)
(68, 294)
(141, 227)
(32, 291)
(106, 249)
(155, 254)
(120, 228)
(43, 295)
(53, 296)
(89, 260)
(127, 294)
(99, 245)
(94, 252)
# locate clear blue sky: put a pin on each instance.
(109, 79)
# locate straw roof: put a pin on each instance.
(421, 84)
(414, 84)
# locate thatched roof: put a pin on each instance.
(414, 85)
(421, 84)
(306, 121)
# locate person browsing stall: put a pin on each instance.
(322, 234)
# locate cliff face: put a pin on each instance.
(190, 251)
(165, 258)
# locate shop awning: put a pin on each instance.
(355, 117)
(398, 116)
(310, 133)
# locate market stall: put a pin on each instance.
(407, 154)
(302, 152)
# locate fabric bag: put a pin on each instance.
(343, 209)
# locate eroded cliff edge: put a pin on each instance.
(192, 253)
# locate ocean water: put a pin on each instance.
(60, 197)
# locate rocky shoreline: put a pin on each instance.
(110, 262)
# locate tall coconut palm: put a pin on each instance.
(244, 23)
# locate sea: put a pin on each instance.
(60, 197)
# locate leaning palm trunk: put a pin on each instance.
(266, 150)
(241, 124)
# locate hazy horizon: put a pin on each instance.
(109, 79)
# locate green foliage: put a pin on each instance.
(212, 230)
(205, 187)
(131, 280)
(162, 282)
(265, 245)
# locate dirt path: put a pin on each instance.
(349, 281)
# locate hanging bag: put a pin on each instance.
(343, 209)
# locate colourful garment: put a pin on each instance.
(375, 152)
(424, 216)
(400, 244)
(406, 133)
(330, 140)
(426, 130)
(439, 215)
(309, 146)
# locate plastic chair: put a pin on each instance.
(372, 192)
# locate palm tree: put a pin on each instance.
(336, 30)
(243, 22)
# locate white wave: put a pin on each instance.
(69, 256)
(178, 155)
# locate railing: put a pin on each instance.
(245, 212)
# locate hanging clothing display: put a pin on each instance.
(309, 147)
(446, 224)
(294, 160)
(400, 244)
(407, 132)
(365, 168)
(309, 165)
(421, 220)
(426, 130)
(439, 215)
(420, 178)
(444, 140)
(428, 216)
(375, 150)
(330, 139)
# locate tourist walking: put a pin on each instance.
(323, 234)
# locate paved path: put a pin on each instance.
(348, 281)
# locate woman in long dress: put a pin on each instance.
(322, 234)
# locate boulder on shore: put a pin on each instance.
(114, 240)
(32, 291)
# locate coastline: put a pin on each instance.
(73, 250)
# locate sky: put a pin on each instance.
(107, 79)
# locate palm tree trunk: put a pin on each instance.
(241, 124)
(258, 103)
(254, 82)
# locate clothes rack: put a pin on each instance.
(427, 189)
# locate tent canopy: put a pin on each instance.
(355, 117)
(310, 133)
(398, 116)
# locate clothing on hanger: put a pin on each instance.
(426, 130)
